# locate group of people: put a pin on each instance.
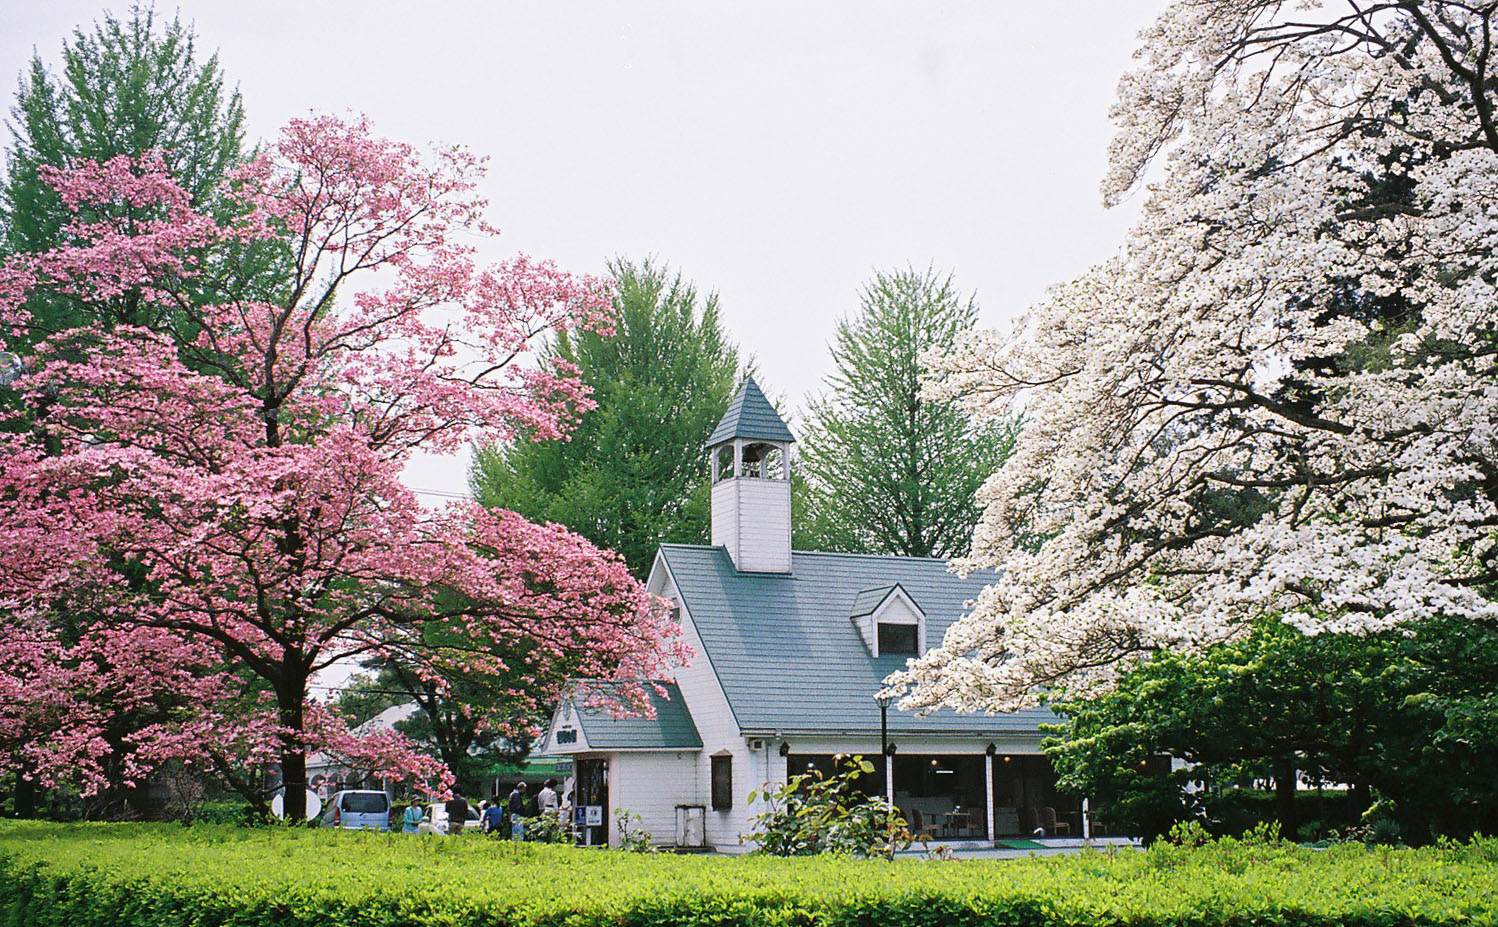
(505, 820)
(519, 808)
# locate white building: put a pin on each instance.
(790, 648)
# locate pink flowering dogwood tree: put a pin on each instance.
(1280, 402)
(201, 488)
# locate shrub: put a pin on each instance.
(145, 875)
(816, 814)
(633, 836)
(549, 828)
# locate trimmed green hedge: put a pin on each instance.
(146, 875)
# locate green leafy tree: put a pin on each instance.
(634, 473)
(129, 87)
(467, 714)
(1406, 721)
(885, 469)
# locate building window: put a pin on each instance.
(722, 782)
(567, 735)
(898, 640)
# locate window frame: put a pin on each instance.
(915, 638)
(721, 781)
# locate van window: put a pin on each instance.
(366, 803)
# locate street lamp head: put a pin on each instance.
(882, 700)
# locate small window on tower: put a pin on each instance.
(725, 462)
(763, 461)
(567, 735)
(772, 467)
(898, 640)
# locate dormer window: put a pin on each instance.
(890, 622)
(899, 640)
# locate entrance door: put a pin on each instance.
(591, 804)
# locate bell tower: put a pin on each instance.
(750, 458)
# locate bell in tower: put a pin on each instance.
(750, 458)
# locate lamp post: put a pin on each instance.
(883, 701)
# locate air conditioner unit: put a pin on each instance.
(756, 744)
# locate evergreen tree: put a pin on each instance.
(129, 87)
(885, 469)
(634, 474)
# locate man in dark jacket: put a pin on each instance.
(457, 814)
(518, 812)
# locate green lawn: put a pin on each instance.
(145, 874)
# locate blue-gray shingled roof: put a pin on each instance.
(750, 416)
(789, 657)
(671, 728)
(868, 601)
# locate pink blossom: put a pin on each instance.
(206, 488)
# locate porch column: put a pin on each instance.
(1086, 819)
(889, 778)
(988, 781)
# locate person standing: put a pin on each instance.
(518, 812)
(457, 814)
(411, 820)
(547, 802)
(492, 817)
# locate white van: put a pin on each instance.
(435, 820)
(358, 809)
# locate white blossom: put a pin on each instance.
(1302, 324)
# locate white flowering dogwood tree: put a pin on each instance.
(1279, 401)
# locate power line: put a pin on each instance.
(441, 493)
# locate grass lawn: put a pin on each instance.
(150, 874)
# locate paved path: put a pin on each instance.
(1061, 846)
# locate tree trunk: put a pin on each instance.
(291, 696)
(1359, 799)
(1284, 795)
(25, 796)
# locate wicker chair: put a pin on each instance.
(920, 827)
(1052, 826)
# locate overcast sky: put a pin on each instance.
(778, 153)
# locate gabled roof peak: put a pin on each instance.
(868, 601)
(751, 416)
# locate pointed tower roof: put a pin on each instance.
(751, 416)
